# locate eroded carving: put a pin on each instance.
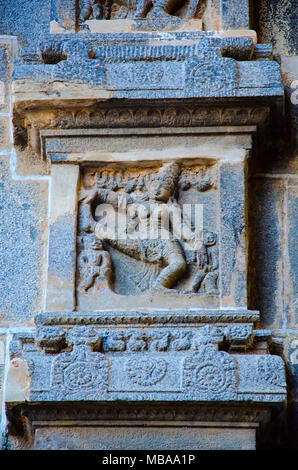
(160, 9)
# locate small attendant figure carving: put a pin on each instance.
(207, 263)
(98, 265)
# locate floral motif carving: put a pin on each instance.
(78, 374)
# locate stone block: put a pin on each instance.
(292, 356)
(2, 366)
(22, 257)
(292, 284)
(62, 236)
(156, 364)
(162, 437)
(142, 71)
(235, 14)
(18, 381)
(32, 21)
(226, 14)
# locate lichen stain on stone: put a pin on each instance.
(18, 381)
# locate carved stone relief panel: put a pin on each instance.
(120, 9)
(148, 236)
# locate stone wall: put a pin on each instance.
(271, 196)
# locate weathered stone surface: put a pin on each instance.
(235, 14)
(32, 19)
(23, 208)
(110, 422)
(267, 249)
(179, 107)
(148, 317)
(276, 24)
(2, 366)
(63, 13)
(18, 381)
(157, 364)
(207, 68)
(226, 15)
(62, 229)
(233, 234)
(148, 438)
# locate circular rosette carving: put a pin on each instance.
(214, 76)
(80, 374)
(271, 370)
(146, 371)
(210, 373)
